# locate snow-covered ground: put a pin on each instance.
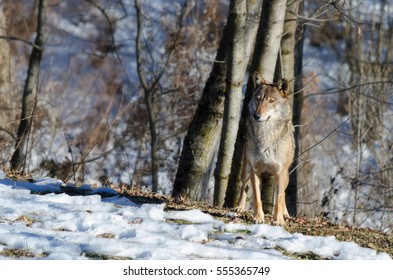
(60, 226)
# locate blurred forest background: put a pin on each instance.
(117, 84)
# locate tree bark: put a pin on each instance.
(297, 114)
(288, 71)
(6, 88)
(153, 139)
(30, 91)
(244, 27)
(200, 142)
(264, 61)
(273, 15)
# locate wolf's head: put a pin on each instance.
(270, 101)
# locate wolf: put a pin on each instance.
(269, 146)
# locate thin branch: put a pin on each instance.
(13, 38)
(340, 90)
(138, 49)
(8, 132)
(173, 47)
(108, 20)
(114, 47)
(92, 159)
(83, 160)
(324, 138)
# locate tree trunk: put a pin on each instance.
(203, 133)
(148, 93)
(30, 91)
(153, 140)
(288, 42)
(6, 89)
(244, 27)
(272, 24)
(297, 114)
(264, 61)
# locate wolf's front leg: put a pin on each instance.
(280, 208)
(259, 216)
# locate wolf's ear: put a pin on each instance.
(258, 79)
(283, 86)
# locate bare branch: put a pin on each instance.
(13, 38)
(324, 138)
(175, 40)
(8, 132)
(138, 49)
(340, 90)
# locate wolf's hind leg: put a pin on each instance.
(241, 206)
(245, 176)
(284, 209)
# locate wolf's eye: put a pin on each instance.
(257, 96)
(271, 100)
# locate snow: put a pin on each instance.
(59, 226)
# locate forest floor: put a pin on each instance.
(28, 215)
(316, 226)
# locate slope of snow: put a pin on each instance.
(60, 226)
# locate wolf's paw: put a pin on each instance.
(259, 218)
(279, 220)
(241, 207)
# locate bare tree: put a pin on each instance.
(151, 87)
(30, 91)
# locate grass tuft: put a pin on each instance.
(96, 256)
(21, 253)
